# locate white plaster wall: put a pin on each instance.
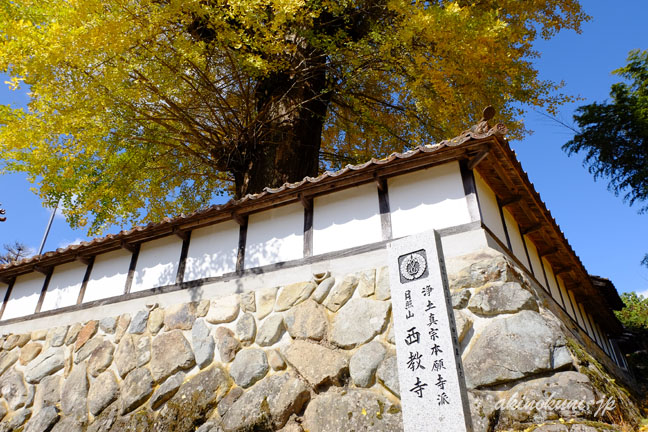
(489, 208)
(108, 275)
(596, 329)
(569, 306)
(516, 238)
(24, 295)
(536, 267)
(579, 318)
(3, 291)
(606, 343)
(212, 251)
(157, 263)
(428, 199)
(274, 236)
(64, 286)
(346, 219)
(587, 324)
(555, 291)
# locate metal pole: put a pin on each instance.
(47, 230)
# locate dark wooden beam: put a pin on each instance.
(44, 270)
(41, 298)
(86, 279)
(308, 228)
(131, 269)
(547, 252)
(306, 202)
(84, 259)
(563, 270)
(504, 178)
(470, 191)
(183, 257)
(474, 161)
(6, 297)
(240, 257)
(383, 206)
(513, 199)
(130, 247)
(381, 183)
(240, 219)
(531, 229)
(182, 234)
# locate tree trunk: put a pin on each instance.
(292, 108)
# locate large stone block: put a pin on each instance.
(74, 395)
(352, 410)
(569, 387)
(293, 294)
(341, 292)
(101, 358)
(43, 420)
(203, 343)
(267, 405)
(180, 317)
(14, 390)
(125, 358)
(364, 363)
(223, 310)
(47, 363)
(482, 272)
(171, 352)
(271, 330)
(317, 364)
(195, 398)
(515, 347)
(307, 321)
(502, 298)
(104, 390)
(265, 301)
(135, 389)
(249, 366)
(359, 321)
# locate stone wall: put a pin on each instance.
(312, 356)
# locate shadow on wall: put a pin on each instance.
(271, 251)
(210, 264)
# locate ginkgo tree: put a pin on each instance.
(144, 108)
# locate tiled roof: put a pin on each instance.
(268, 193)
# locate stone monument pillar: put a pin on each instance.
(432, 387)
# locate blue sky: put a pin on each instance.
(609, 236)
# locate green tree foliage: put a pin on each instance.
(614, 135)
(634, 316)
(144, 108)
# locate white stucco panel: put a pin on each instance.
(157, 263)
(24, 295)
(579, 318)
(555, 291)
(346, 219)
(516, 238)
(428, 199)
(64, 286)
(212, 251)
(489, 208)
(536, 266)
(108, 275)
(568, 304)
(274, 236)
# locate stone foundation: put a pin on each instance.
(318, 355)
